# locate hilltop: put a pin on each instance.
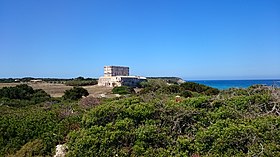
(169, 79)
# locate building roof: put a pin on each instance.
(115, 66)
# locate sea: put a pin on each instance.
(226, 84)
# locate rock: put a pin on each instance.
(61, 150)
(118, 95)
(180, 81)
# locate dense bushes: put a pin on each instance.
(187, 89)
(34, 130)
(199, 88)
(22, 95)
(123, 90)
(22, 91)
(234, 122)
(16, 130)
(75, 93)
(31, 129)
(224, 125)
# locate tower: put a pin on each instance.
(116, 71)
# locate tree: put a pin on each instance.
(75, 93)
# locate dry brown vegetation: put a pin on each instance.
(57, 90)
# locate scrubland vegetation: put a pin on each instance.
(162, 119)
(79, 81)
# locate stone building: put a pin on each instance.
(115, 76)
(116, 71)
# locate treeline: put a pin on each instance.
(8, 80)
(80, 81)
(28, 79)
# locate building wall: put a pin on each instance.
(133, 82)
(116, 71)
(115, 76)
(116, 81)
(105, 81)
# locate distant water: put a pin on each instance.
(225, 84)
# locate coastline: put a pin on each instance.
(226, 84)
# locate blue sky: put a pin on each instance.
(192, 39)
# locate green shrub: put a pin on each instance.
(170, 89)
(35, 129)
(237, 122)
(22, 95)
(186, 93)
(75, 93)
(123, 90)
(224, 125)
(32, 148)
(22, 91)
(187, 89)
(199, 88)
(18, 129)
